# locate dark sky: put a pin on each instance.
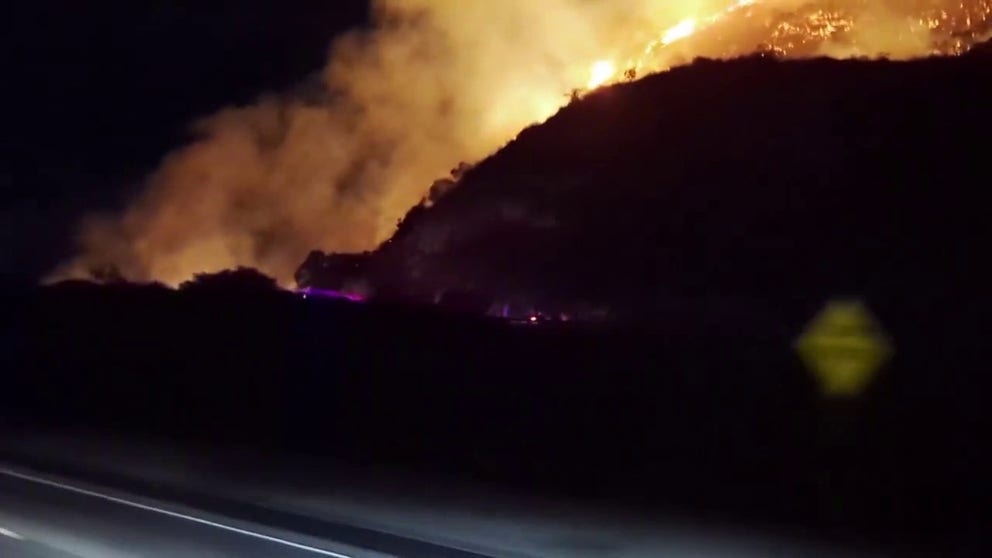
(97, 92)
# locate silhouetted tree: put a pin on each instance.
(242, 279)
(107, 274)
(332, 271)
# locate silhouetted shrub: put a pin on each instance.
(242, 279)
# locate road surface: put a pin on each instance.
(45, 517)
(41, 518)
(71, 512)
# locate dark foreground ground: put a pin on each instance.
(709, 414)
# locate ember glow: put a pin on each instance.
(438, 82)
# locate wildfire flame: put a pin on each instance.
(603, 71)
(684, 29)
(965, 21)
(600, 73)
(443, 81)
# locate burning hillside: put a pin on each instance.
(803, 29)
(437, 82)
(816, 178)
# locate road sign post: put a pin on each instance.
(844, 348)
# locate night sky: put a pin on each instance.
(97, 92)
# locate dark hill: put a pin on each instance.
(750, 178)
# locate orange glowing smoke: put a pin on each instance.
(439, 82)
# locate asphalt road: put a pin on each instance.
(45, 516)
(60, 521)
(115, 517)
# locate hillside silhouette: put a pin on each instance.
(749, 178)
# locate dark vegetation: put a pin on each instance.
(729, 199)
(751, 178)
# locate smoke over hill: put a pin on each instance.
(436, 82)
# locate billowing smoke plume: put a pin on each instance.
(435, 83)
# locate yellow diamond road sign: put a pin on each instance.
(844, 347)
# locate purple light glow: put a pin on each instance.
(326, 293)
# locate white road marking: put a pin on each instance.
(11, 534)
(153, 509)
